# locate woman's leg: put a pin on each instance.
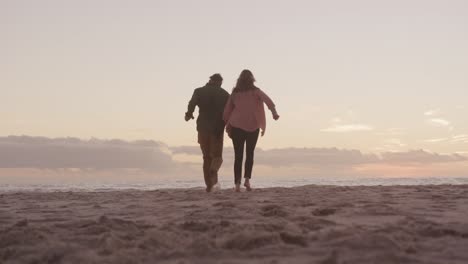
(251, 142)
(238, 140)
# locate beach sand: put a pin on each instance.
(310, 224)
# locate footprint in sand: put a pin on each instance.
(293, 239)
(224, 204)
(324, 211)
(273, 210)
(195, 226)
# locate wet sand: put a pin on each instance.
(310, 224)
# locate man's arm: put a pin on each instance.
(191, 106)
(228, 108)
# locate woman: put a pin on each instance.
(245, 116)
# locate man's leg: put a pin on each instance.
(204, 141)
(216, 156)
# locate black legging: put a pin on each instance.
(240, 138)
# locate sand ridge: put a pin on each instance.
(310, 224)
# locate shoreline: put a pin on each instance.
(202, 188)
(11, 188)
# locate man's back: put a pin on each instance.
(210, 100)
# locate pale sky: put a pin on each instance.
(370, 75)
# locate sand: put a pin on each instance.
(310, 224)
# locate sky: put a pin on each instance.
(367, 75)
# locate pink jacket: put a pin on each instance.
(245, 110)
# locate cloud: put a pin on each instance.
(393, 143)
(334, 157)
(420, 157)
(463, 138)
(434, 119)
(41, 152)
(347, 128)
(323, 158)
(188, 150)
(346, 124)
(125, 160)
(460, 139)
(317, 157)
(439, 122)
(436, 140)
(433, 112)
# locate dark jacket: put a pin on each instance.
(210, 100)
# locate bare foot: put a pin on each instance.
(216, 187)
(238, 188)
(247, 185)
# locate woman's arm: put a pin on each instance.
(267, 100)
(228, 110)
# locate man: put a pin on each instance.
(210, 100)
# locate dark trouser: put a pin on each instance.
(240, 138)
(212, 149)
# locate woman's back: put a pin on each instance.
(247, 110)
(244, 108)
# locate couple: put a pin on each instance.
(242, 114)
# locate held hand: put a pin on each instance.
(276, 116)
